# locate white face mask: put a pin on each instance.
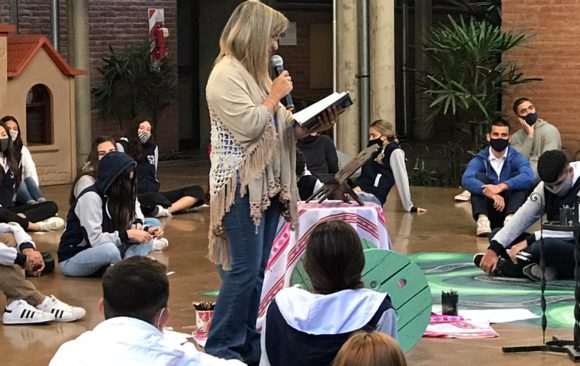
(13, 135)
(144, 136)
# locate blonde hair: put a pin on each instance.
(248, 35)
(370, 349)
(386, 129)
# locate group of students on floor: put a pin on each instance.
(514, 182)
(105, 223)
(340, 323)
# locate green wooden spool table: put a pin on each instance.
(403, 280)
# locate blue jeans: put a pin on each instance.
(233, 332)
(90, 260)
(151, 221)
(369, 197)
(29, 192)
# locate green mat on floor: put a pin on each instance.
(445, 271)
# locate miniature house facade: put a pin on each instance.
(37, 88)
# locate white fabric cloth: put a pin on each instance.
(497, 163)
(127, 341)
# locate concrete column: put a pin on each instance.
(347, 128)
(4, 30)
(382, 41)
(79, 58)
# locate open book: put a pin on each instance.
(308, 117)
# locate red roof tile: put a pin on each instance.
(22, 48)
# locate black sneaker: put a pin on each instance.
(534, 272)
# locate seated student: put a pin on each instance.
(98, 231)
(514, 253)
(536, 135)
(321, 163)
(303, 328)
(134, 303)
(24, 303)
(366, 348)
(102, 145)
(385, 169)
(32, 217)
(28, 191)
(498, 178)
(139, 144)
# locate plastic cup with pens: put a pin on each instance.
(203, 315)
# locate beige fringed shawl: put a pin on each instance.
(244, 139)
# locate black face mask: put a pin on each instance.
(499, 144)
(375, 142)
(4, 144)
(531, 118)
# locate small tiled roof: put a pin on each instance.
(22, 48)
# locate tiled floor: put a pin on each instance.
(446, 227)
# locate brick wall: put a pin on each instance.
(297, 58)
(128, 28)
(553, 55)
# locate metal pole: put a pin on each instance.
(405, 86)
(55, 23)
(334, 59)
(364, 69)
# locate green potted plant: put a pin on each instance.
(466, 74)
(132, 85)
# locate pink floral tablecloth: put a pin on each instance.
(287, 249)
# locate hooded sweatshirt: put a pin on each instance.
(516, 172)
(302, 328)
(89, 222)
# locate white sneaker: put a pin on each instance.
(20, 312)
(161, 211)
(160, 244)
(483, 226)
(463, 196)
(51, 224)
(62, 312)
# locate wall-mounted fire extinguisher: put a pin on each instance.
(158, 42)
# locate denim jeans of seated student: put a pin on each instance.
(29, 192)
(369, 197)
(233, 332)
(151, 222)
(92, 259)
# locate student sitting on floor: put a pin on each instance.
(514, 253)
(134, 303)
(98, 231)
(24, 304)
(366, 348)
(140, 145)
(499, 179)
(385, 169)
(318, 154)
(28, 191)
(86, 177)
(303, 328)
(32, 217)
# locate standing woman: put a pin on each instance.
(252, 175)
(28, 190)
(140, 145)
(385, 169)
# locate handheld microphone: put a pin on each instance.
(277, 65)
